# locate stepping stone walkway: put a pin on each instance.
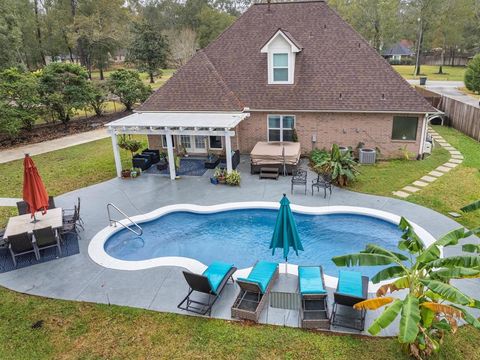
(456, 158)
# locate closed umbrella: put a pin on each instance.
(34, 192)
(285, 235)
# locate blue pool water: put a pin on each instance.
(243, 236)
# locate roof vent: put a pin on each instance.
(340, 96)
(383, 96)
(324, 26)
(359, 45)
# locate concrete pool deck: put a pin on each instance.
(78, 278)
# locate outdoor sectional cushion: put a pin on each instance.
(261, 274)
(350, 283)
(216, 272)
(310, 280)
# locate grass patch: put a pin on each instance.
(66, 169)
(458, 187)
(468, 92)
(451, 73)
(387, 176)
(76, 330)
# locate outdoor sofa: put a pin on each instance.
(352, 288)
(235, 160)
(254, 291)
(211, 283)
(313, 293)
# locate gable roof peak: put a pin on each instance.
(296, 46)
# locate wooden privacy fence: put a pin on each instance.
(461, 116)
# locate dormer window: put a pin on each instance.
(280, 67)
(281, 50)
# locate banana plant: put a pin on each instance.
(340, 165)
(432, 306)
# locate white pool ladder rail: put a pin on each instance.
(113, 222)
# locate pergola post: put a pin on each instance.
(228, 151)
(116, 154)
(171, 157)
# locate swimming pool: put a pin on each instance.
(193, 236)
(241, 237)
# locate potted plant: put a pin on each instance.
(131, 145)
(233, 178)
(220, 175)
(126, 173)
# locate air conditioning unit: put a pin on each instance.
(367, 156)
(427, 147)
(343, 149)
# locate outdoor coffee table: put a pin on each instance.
(212, 162)
(23, 223)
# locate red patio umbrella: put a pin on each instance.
(34, 192)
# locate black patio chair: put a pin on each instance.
(348, 300)
(73, 215)
(299, 178)
(22, 207)
(324, 182)
(47, 238)
(71, 224)
(21, 244)
(51, 202)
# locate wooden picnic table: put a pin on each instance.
(23, 223)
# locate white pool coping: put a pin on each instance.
(98, 254)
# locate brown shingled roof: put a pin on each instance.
(231, 73)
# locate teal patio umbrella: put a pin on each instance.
(285, 235)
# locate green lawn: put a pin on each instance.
(452, 191)
(63, 170)
(450, 73)
(76, 330)
(387, 176)
(460, 186)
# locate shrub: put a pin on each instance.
(233, 178)
(19, 91)
(128, 86)
(472, 74)
(340, 166)
(317, 156)
(98, 94)
(63, 88)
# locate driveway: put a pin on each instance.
(450, 89)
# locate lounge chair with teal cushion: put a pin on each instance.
(314, 309)
(254, 290)
(211, 282)
(352, 288)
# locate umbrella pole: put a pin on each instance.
(34, 219)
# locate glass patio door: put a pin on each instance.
(194, 144)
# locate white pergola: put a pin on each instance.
(176, 123)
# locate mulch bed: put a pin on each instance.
(57, 130)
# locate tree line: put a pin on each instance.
(449, 26)
(90, 32)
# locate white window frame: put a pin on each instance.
(281, 126)
(273, 67)
(214, 148)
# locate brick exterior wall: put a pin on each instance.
(344, 129)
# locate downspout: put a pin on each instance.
(423, 136)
